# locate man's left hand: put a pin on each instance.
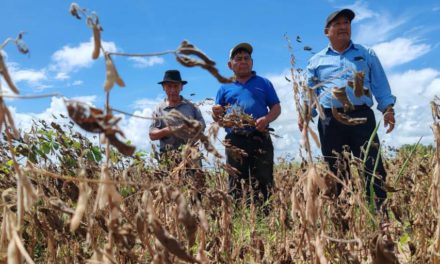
(388, 119)
(261, 124)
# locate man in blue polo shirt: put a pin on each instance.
(251, 95)
(335, 67)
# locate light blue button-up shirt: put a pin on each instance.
(339, 68)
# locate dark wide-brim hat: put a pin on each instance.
(172, 76)
(343, 12)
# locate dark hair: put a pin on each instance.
(239, 50)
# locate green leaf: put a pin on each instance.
(404, 239)
(76, 145)
(45, 147)
(96, 153)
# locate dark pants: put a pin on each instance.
(334, 135)
(256, 169)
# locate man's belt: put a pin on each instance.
(250, 133)
(352, 109)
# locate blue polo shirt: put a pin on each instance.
(328, 64)
(255, 97)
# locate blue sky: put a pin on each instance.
(405, 34)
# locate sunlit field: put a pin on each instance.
(68, 197)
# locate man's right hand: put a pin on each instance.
(217, 112)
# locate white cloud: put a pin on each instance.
(24, 122)
(28, 75)
(70, 59)
(62, 76)
(145, 103)
(88, 99)
(414, 90)
(390, 53)
(141, 62)
(362, 11)
(32, 77)
(378, 29)
(77, 83)
(136, 129)
(286, 125)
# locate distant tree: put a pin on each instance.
(421, 150)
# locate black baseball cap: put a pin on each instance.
(343, 12)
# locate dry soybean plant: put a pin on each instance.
(435, 187)
(126, 210)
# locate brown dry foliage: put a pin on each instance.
(94, 120)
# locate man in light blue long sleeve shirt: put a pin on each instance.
(335, 67)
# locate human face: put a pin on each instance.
(241, 64)
(339, 32)
(172, 89)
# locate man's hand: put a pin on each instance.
(261, 124)
(388, 119)
(217, 112)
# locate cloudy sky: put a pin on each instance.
(405, 35)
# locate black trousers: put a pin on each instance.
(335, 135)
(256, 169)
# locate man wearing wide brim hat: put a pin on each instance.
(356, 72)
(172, 133)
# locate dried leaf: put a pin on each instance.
(84, 194)
(382, 250)
(346, 120)
(189, 49)
(112, 75)
(186, 218)
(359, 83)
(96, 40)
(21, 46)
(74, 7)
(169, 242)
(206, 63)
(341, 95)
(315, 137)
(14, 256)
(107, 191)
(6, 76)
(319, 248)
(29, 193)
(94, 120)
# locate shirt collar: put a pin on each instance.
(254, 73)
(182, 101)
(350, 46)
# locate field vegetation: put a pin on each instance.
(67, 200)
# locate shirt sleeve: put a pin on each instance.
(272, 97)
(156, 123)
(379, 83)
(199, 117)
(219, 99)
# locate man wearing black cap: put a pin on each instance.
(337, 68)
(252, 95)
(163, 129)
